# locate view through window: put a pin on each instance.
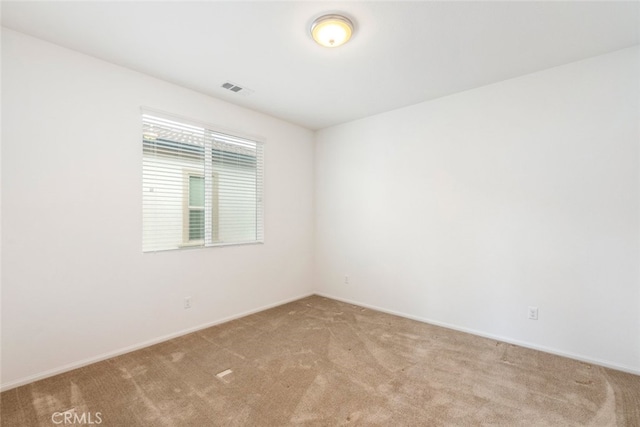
(200, 187)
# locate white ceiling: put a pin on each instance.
(402, 52)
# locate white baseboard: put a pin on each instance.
(108, 355)
(525, 344)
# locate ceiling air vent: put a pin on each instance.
(237, 88)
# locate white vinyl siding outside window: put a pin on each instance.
(200, 187)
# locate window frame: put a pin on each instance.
(212, 221)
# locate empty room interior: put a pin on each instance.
(235, 213)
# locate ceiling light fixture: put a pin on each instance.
(331, 30)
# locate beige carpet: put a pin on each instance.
(320, 362)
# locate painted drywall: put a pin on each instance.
(466, 210)
(75, 283)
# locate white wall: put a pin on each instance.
(75, 283)
(468, 209)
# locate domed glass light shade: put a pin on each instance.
(331, 30)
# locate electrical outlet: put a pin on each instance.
(346, 280)
(187, 302)
(533, 313)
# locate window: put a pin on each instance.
(194, 198)
(200, 187)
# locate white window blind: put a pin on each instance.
(200, 187)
